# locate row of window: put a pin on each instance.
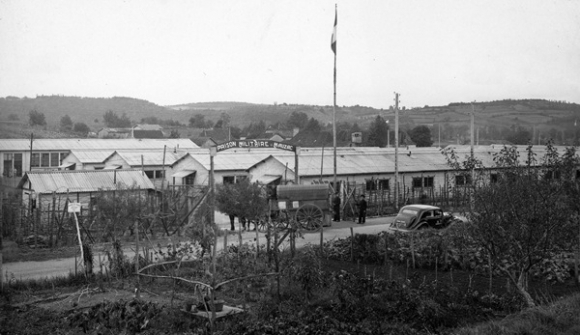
(417, 182)
(234, 179)
(384, 184)
(47, 159)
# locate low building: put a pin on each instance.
(41, 187)
(21, 155)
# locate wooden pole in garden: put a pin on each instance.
(577, 261)
(53, 219)
(257, 240)
(413, 249)
(79, 237)
(351, 245)
(321, 239)
(1, 236)
(137, 286)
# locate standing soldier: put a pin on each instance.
(362, 209)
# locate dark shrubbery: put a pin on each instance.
(451, 249)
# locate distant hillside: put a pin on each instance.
(87, 110)
(541, 116)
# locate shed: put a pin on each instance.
(79, 185)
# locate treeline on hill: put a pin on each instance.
(513, 121)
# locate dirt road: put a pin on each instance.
(64, 266)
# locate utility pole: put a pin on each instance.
(439, 137)
(388, 134)
(30, 163)
(396, 151)
(333, 46)
(472, 121)
(1, 245)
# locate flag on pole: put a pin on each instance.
(333, 39)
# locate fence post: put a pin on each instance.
(225, 241)
(386, 249)
(351, 245)
(413, 249)
(322, 240)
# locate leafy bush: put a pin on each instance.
(449, 249)
(177, 251)
(132, 317)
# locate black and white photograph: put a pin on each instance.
(290, 167)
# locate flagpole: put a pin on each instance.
(333, 44)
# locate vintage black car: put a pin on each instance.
(412, 217)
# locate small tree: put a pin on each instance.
(117, 210)
(244, 199)
(81, 128)
(197, 121)
(174, 134)
(36, 118)
(523, 218)
(421, 135)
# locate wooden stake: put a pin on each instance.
(351, 245)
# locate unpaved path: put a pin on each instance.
(64, 266)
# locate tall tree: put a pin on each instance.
(297, 120)
(66, 123)
(113, 120)
(377, 133)
(226, 119)
(421, 135)
(313, 126)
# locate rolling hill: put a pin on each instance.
(533, 114)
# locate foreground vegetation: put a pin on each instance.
(365, 285)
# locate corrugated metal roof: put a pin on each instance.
(150, 157)
(65, 166)
(354, 160)
(231, 161)
(85, 180)
(92, 156)
(94, 144)
(370, 161)
(183, 173)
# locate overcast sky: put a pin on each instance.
(432, 52)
